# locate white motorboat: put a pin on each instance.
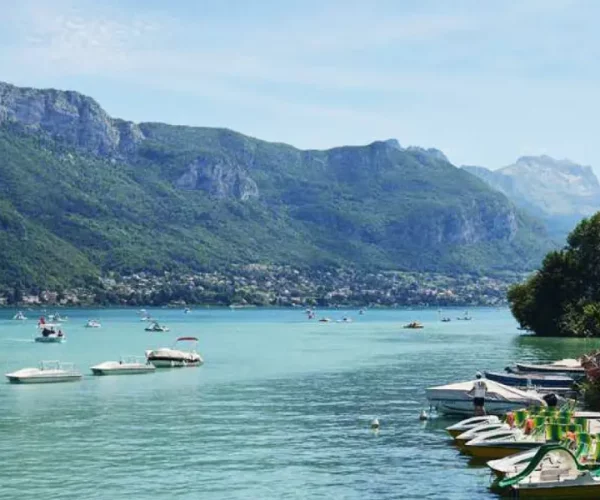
(50, 333)
(475, 432)
(156, 327)
(187, 310)
(127, 365)
(19, 316)
(455, 399)
(471, 423)
(92, 323)
(169, 357)
(57, 318)
(48, 372)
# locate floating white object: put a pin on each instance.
(375, 424)
(423, 415)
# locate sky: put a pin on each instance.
(483, 81)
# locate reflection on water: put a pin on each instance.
(529, 348)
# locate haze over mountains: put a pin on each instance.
(560, 192)
(84, 194)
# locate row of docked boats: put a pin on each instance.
(556, 453)
(535, 446)
(521, 385)
(164, 357)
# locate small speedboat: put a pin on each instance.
(57, 318)
(19, 316)
(187, 310)
(549, 381)
(457, 398)
(156, 327)
(129, 365)
(414, 325)
(445, 320)
(170, 357)
(92, 323)
(564, 366)
(325, 320)
(48, 372)
(50, 333)
(344, 320)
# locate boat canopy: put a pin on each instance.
(495, 391)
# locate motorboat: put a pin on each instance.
(156, 327)
(465, 317)
(50, 333)
(19, 316)
(187, 310)
(470, 423)
(170, 357)
(325, 320)
(554, 472)
(539, 380)
(57, 318)
(127, 365)
(361, 312)
(570, 367)
(455, 399)
(344, 320)
(48, 372)
(445, 320)
(414, 325)
(92, 323)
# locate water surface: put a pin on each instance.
(281, 408)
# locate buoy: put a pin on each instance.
(423, 415)
(375, 424)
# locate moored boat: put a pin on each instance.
(169, 357)
(19, 316)
(563, 366)
(92, 323)
(47, 372)
(470, 423)
(127, 365)
(549, 381)
(457, 398)
(554, 472)
(414, 325)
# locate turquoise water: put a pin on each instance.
(281, 408)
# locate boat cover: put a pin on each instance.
(496, 392)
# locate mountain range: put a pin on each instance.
(559, 192)
(84, 194)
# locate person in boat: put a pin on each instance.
(479, 392)
(60, 333)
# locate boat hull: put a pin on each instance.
(558, 491)
(122, 371)
(550, 369)
(174, 363)
(42, 380)
(503, 450)
(50, 340)
(516, 380)
(465, 406)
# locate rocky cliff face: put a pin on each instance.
(380, 205)
(560, 191)
(69, 116)
(219, 177)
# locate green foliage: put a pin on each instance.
(67, 216)
(563, 297)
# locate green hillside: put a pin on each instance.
(87, 194)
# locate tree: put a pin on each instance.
(563, 297)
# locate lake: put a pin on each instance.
(281, 408)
